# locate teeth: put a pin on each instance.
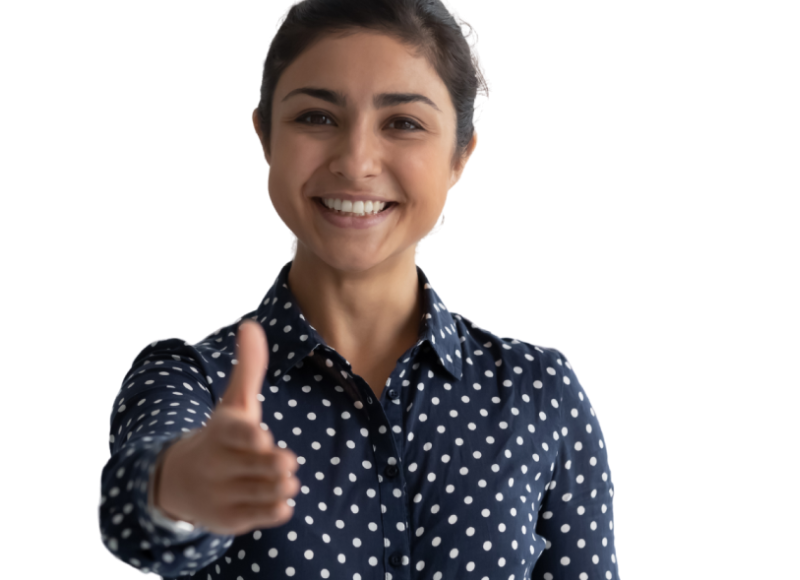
(357, 208)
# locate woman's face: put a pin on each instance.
(360, 116)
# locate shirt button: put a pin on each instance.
(391, 471)
(392, 394)
(396, 559)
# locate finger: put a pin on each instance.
(262, 494)
(247, 377)
(236, 433)
(269, 465)
(254, 516)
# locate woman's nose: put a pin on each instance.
(357, 153)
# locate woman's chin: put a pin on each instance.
(352, 257)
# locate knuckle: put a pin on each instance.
(289, 461)
(291, 486)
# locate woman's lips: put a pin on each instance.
(353, 221)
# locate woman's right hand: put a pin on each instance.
(230, 477)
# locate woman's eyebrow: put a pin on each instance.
(381, 100)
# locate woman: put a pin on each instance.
(423, 440)
(355, 278)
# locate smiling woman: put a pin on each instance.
(365, 119)
(423, 445)
(433, 29)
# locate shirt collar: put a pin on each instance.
(291, 338)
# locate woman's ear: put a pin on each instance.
(461, 162)
(254, 121)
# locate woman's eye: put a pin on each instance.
(401, 121)
(307, 115)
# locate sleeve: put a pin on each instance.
(576, 517)
(165, 396)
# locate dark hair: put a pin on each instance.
(424, 24)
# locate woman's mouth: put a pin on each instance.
(363, 219)
(351, 214)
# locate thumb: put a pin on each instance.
(247, 377)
